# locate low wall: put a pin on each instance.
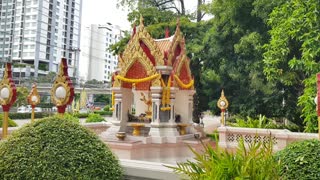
(230, 136)
(98, 127)
(142, 170)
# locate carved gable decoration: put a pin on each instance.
(142, 40)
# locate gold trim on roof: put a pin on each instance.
(183, 60)
(178, 39)
(134, 44)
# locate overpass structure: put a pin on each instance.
(91, 90)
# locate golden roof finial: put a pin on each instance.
(178, 26)
(141, 20)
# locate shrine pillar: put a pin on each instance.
(161, 132)
(156, 101)
(173, 91)
(123, 99)
(190, 105)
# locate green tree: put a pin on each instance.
(49, 78)
(102, 98)
(292, 56)
(232, 59)
(161, 5)
(93, 81)
(22, 94)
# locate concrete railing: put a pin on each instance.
(230, 136)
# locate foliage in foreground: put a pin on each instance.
(55, 148)
(11, 123)
(300, 160)
(254, 163)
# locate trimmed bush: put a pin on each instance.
(11, 123)
(55, 148)
(300, 160)
(94, 118)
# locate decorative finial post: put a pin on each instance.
(223, 105)
(33, 99)
(8, 95)
(62, 92)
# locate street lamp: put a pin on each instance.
(223, 105)
(8, 95)
(62, 92)
(33, 99)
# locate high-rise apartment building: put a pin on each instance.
(95, 45)
(35, 34)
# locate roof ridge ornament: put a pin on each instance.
(141, 20)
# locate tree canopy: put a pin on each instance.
(292, 56)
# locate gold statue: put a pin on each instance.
(148, 102)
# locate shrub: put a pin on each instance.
(71, 117)
(300, 160)
(55, 148)
(255, 163)
(94, 118)
(106, 108)
(261, 122)
(11, 123)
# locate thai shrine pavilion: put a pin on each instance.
(152, 89)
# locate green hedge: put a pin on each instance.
(94, 118)
(11, 123)
(300, 160)
(103, 113)
(28, 115)
(55, 148)
(81, 115)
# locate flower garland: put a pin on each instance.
(165, 95)
(181, 84)
(112, 101)
(137, 80)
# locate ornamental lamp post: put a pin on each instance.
(33, 99)
(8, 95)
(223, 105)
(62, 92)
